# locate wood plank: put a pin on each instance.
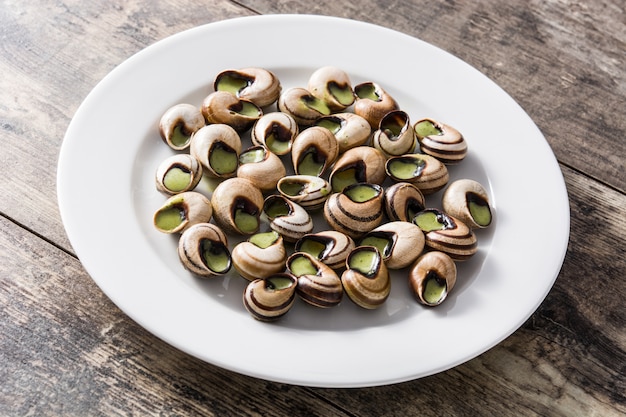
(568, 359)
(67, 350)
(51, 56)
(562, 61)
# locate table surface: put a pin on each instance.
(66, 349)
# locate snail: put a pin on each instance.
(203, 250)
(179, 123)
(181, 211)
(432, 277)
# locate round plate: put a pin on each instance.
(107, 199)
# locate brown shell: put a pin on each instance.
(322, 289)
(430, 174)
(373, 110)
(351, 217)
(433, 265)
(369, 290)
(265, 302)
(449, 147)
(318, 143)
(367, 163)
(183, 117)
(402, 201)
(190, 248)
(236, 194)
(224, 107)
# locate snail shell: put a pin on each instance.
(356, 210)
(467, 200)
(178, 173)
(313, 151)
(262, 167)
(350, 130)
(366, 278)
(432, 277)
(329, 246)
(237, 205)
(203, 250)
(308, 191)
(395, 135)
(373, 103)
(224, 107)
(332, 85)
(217, 147)
(300, 104)
(270, 298)
(399, 243)
(276, 131)
(403, 201)
(258, 85)
(179, 123)
(447, 234)
(181, 211)
(318, 284)
(359, 164)
(441, 141)
(287, 218)
(424, 171)
(262, 255)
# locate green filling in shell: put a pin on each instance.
(177, 179)
(301, 265)
(344, 95)
(366, 261)
(383, 244)
(429, 221)
(264, 240)
(406, 168)
(246, 222)
(169, 218)
(278, 283)
(232, 84)
(311, 163)
(341, 179)
(316, 104)
(360, 193)
(479, 210)
(178, 137)
(435, 288)
(368, 91)
(248, 109)
(215, 256)
(275, 144)
(223, 159)
(426, 128)
(252, 155)
(312, 247)
(331, 123)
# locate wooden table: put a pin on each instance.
(66, 349)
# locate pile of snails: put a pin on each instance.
(349, 153)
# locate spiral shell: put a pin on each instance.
(287, 218)
(395, 135)
(467, 200)
(399, 243)
(403, 201)
(359, 164)
(350, 130)
(178, 173)
(179, 123)
(300, 104)
(318, 284)
(424, 171)
(329, 246)
(356, 210)
(432, 277)
(447, 234)
(366, 278)
(441, 141)
(261, 167)
(217, 147)
(203, 250)
(181, 211)
(373, 103)
(263, 254)
(308, 191)
(258, 85)
(237, 205)
(276, 131)
(332, 85)
(270, 298)
(313, 151)
(224, 107)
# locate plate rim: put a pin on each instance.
(68, 146)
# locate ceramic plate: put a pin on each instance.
(107, 199)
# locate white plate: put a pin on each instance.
(107, 199)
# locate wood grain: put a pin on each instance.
(67, 350)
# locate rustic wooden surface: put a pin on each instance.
(66, 349)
